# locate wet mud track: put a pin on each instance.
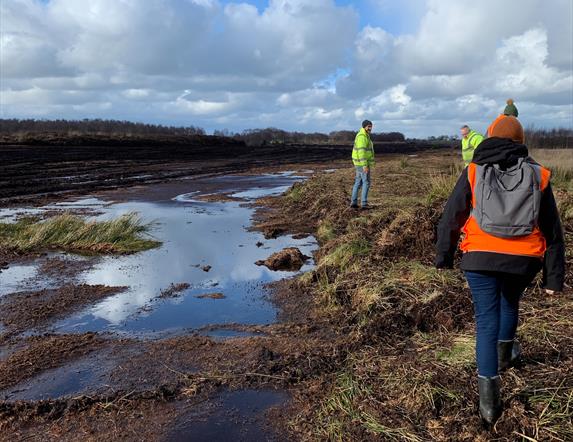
(29, 173)
(119, 347)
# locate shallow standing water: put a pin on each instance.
(195, 234)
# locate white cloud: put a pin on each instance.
(390, 103)
(320, 113)
(201, 107)
(299, 64)
(136, 93)
(522, 69)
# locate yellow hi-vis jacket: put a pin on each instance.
(469, 144)
(363, 151)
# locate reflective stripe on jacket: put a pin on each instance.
(476, 240)
(363, 151)
(469, 144)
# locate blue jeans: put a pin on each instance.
(496, 308)
(362, 179)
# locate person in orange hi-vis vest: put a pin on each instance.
(503, 205)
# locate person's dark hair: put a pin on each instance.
(366, 123)
(465, 126)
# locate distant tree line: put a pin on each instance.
(93, 127)
(17, 128)
(271, 135)
(254, 137)
(559, 138)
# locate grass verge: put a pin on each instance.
(410, 371)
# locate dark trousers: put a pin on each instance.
(496, 308)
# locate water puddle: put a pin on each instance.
(30, 276)
(10, 215)
(259, 193)
(208, 253)
(18, 278)
(86, 374)
(85, 206)
(235, 416)
(206, 245)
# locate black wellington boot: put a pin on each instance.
(508, 353)
(489, 398)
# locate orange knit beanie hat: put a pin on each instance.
(507, 126)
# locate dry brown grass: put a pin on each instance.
(560, 162)
(553, 158)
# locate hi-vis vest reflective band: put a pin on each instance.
(469, 145)
(363, 150)
(476, 240)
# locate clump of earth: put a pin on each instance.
(291, 259)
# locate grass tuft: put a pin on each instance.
(442, 184)
(555, 413)
(296, 193)
(341, 409)
(125, 234)
(347, 252)
(325, 232)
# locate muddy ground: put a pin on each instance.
(371, 345)
(42, 173)
(36, 309)
(130, 388)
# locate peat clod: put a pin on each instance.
(174, 290)
(211, 296)
(290, 259)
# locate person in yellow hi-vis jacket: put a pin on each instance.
(363, 160)
(470, 140)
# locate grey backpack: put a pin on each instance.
(507, 201)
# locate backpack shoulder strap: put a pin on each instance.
(542, 174)
(472, 176)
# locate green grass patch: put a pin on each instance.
(325, 232)
(410, 279)
(296, 192)
(420, 274)
(307, 278)
(126, 234)
(345, 253)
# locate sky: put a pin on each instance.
(421, 67)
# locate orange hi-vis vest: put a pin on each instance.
(476, 240)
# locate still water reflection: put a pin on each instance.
(194, 234)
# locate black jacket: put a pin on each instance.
(457, 211)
